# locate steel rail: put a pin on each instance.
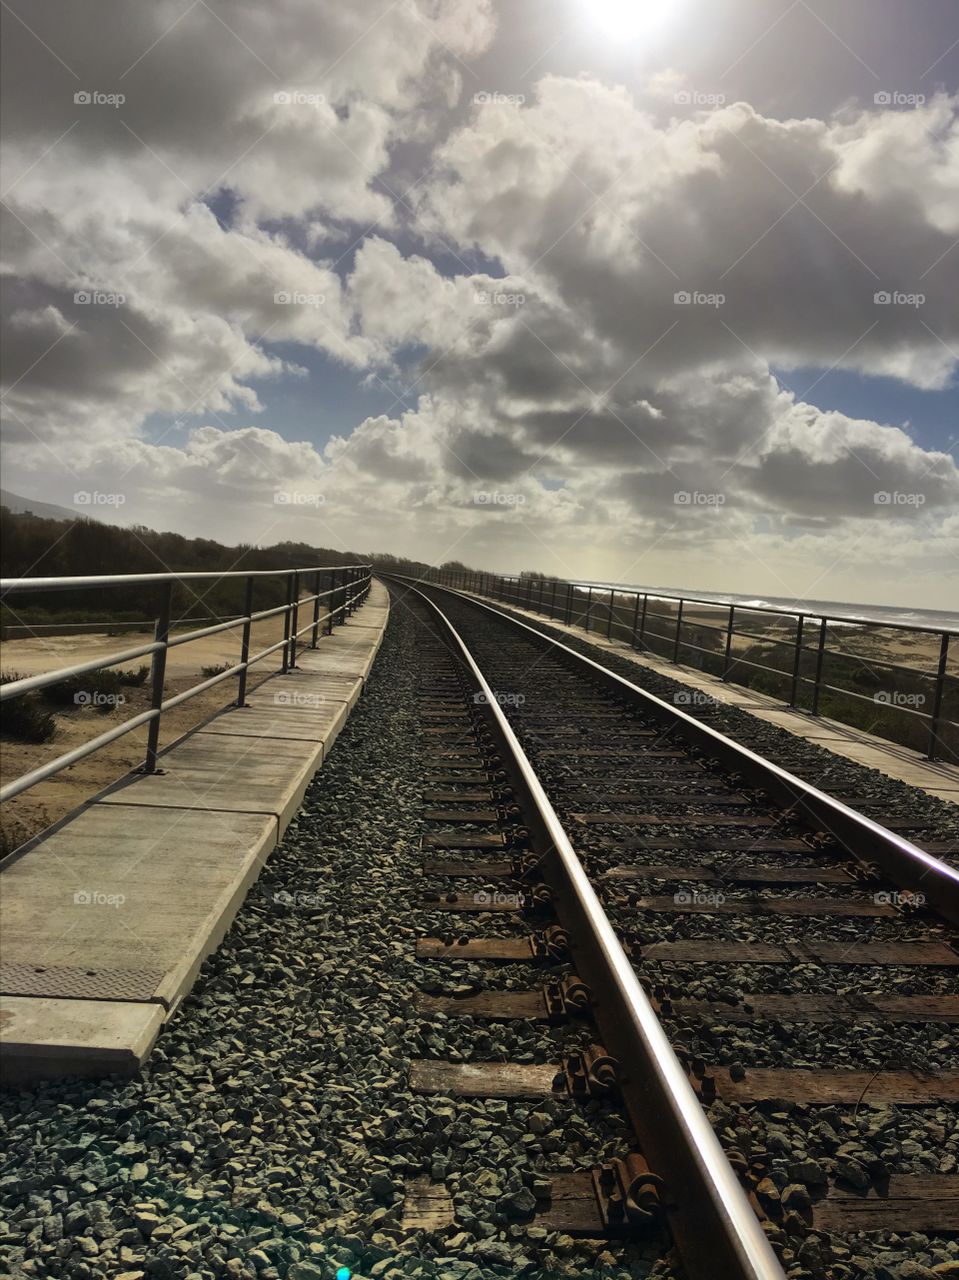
(908, 865)
(715, 1226)
(578, 608)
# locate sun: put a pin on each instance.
(629, 19)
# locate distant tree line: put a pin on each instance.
(36, 547)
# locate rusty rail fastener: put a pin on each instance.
(590, 1074)
(550, 944)
(566, 997)
(538, 900)
(628, 1193)
(527, 867)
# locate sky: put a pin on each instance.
(660, 292)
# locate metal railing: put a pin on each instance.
(636, 618)
(346, 586)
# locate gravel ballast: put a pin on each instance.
(270, 1133)
(798, 1144)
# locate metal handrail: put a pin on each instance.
(16, 688)
(574, 603)
(910, 866)
(343, 596)
(132, 579)
(724, 604)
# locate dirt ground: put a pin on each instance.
(47, 802)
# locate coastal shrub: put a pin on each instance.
(26, 718)
(216, 670)
(100, 690)
(133, 679)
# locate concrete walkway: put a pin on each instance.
(105, 920)
(938, 779)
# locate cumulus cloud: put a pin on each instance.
(643, 275)
(788, 222)
(122, 137)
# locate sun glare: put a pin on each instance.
(629, 19)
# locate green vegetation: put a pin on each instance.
(37, 547)
(216, 670)
(26, 718)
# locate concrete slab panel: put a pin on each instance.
(293, 719)
(126, 891)
(309, 677)
(107, 918)
(950, 797)
(42, 1038)
(351, 659)
(231, 774)
(371, 617)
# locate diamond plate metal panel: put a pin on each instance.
(69, 982)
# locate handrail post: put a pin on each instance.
(245, 642)
(797, 660)
(295, 620)
(729, 641)
(569, 604)
(820, 655)
(552, 600)
(938, 695)
(609, 624)
(329, 616)
(315, 634)
(679, 627)
(344, 597)
(632, 643)
(161, 635)
(589, 608)
(286, 625)
(642, 625)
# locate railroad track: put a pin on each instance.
(713, 934)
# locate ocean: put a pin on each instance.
(936, 619)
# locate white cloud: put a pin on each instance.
(574, 381)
